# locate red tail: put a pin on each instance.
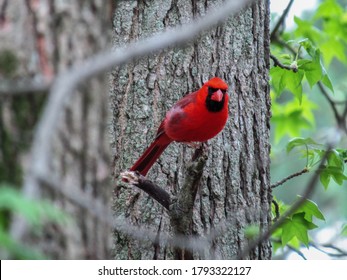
(153, 152)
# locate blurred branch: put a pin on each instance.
(306, 194)
(103, 214)
(23, 87)
(296, 174)
(281, 20)
(89, 204)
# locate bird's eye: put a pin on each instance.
(211, 90)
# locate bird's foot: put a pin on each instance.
(130, 177)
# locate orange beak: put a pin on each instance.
(217, 96)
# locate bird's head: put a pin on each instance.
(216, 92)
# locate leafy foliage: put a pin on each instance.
(333, 169)
(295, 229)
(316, 44)
(36, 213)
(290, 119)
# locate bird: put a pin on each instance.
(197, 117)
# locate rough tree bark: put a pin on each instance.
(234, 191)
(48, 37)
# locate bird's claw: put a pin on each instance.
(130, 177)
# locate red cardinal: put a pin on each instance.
(197, 117)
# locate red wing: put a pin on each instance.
(177, 111)
(186, 100)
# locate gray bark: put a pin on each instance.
(47, 38)
(234, 191)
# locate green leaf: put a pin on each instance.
(298, 142)
(310, 209)
(334, 159)
(306, 29)
(328, 9)
(297, 226)
(290, 119)
(333, 172)
(333, 48)
(285, 79)
(327, 82)
(324, 178)
(313, 72)
(276, 74)
(293, 82)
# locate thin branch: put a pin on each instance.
(276, 61)
(281, 20)
(154, 191)
(330, 101)
(341, 252)
(296, 174)
(277, 209)
(291, 248)
(307, 193)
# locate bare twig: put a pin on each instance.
(340, 252)
(276, 61)
(154, 191)
(277, 209)
(281, 20)
(290, 248)
(296, 174)
(330, 101)
(307, 193)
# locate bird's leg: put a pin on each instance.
(131, 177)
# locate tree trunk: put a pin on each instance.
(53, 35)
(234, 191)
